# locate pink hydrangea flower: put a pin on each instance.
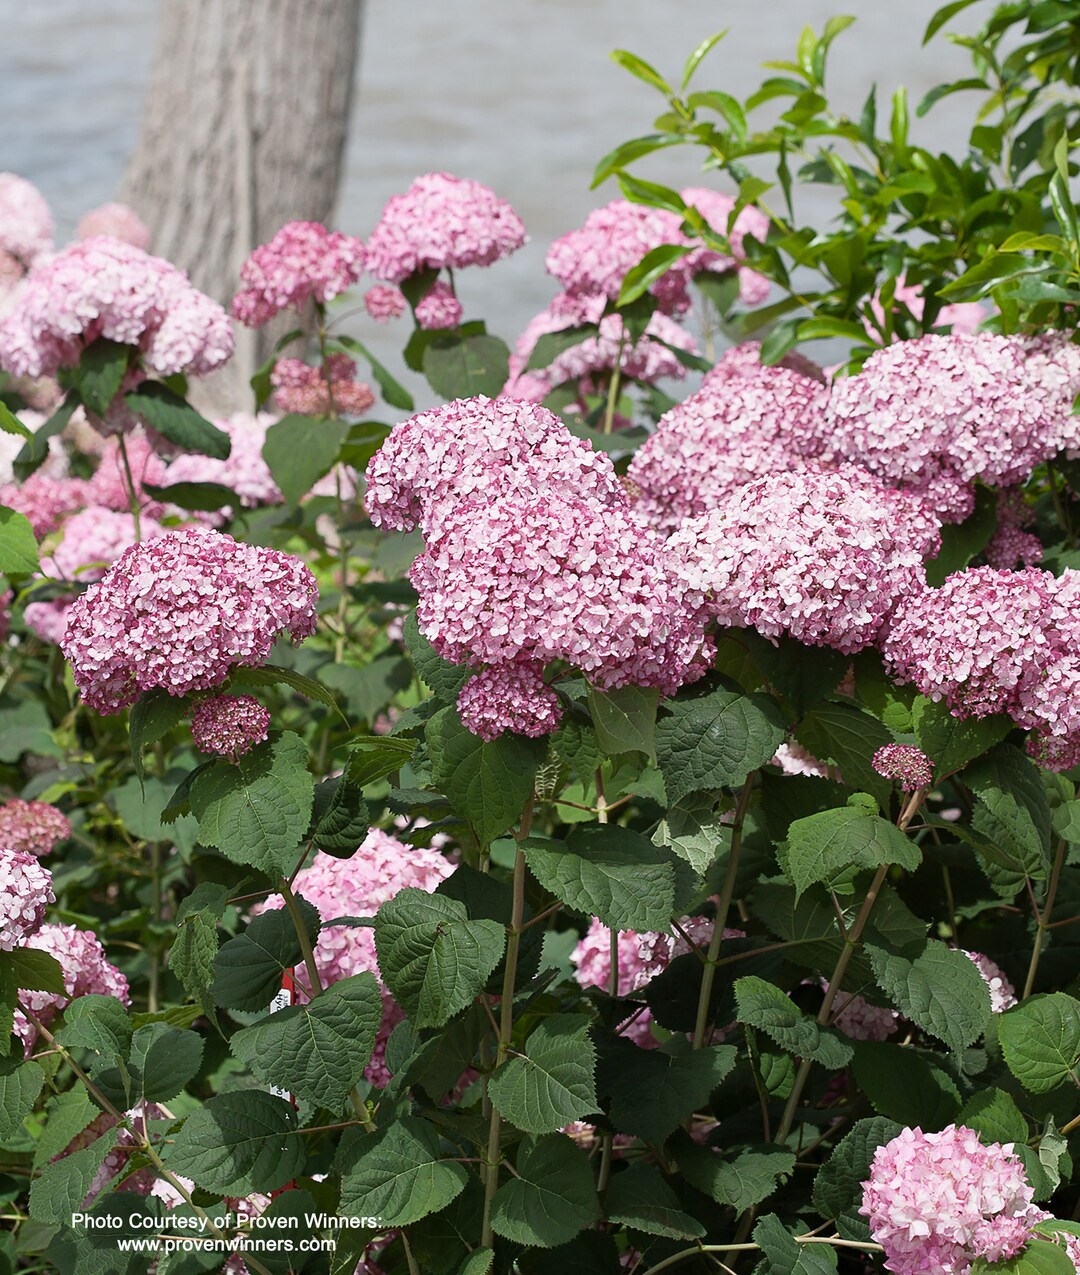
(906, 763)
(1002, 992)
(118, 221)
(938, 1201)
(384, 302)
(44, 500)
(92, 540)
(439, 308)
(26, 224)
(109, 485)
(48, 620)
(244, 470)
(106, 288)
(1011, 546)
(85, 972)
(180, 612)
(32, 827)
(329, 390)
(442, 222)
(746, 421)
(25, 892)
(304, 260)
(509, 697)
(229, 725)
(717, 208)
(479, 449)
(821, 554)
(793, 759)
(859, 1020)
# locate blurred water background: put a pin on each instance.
(519, 94)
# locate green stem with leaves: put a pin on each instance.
(1042, 917)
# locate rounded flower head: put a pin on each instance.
(304, 260)
(509, 697)
(327, 390)
(229, 725)
(479, 449)
(551, 576)
(103, 287)
(25, 892)
(934, 414)
(820, 554)
(746, 421)
(905, 762)
(442, 221)
(439, 308)
(384, 302)
(32, 827)
(938, 1201)
(44, 500)
(180, 612)
(118, 221)
(26, 224)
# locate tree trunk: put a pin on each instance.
(244, 129)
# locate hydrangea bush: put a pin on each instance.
(620, 817)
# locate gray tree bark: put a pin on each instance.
(244, 129)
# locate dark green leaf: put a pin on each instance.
(952, 742)
(163, 1060)
(394, 393)
(34, 452)
(100, 373)
(739, 1178)
(550, 345)
(838, 1185)
(551, 1198)
(640, 1199)
(1012, 808)
(1041, 1041)
(464, 366)
(401, 1177)
(905, 1085)
(849, 737)
(783, 1256)
(100, 1023)
(153, 715)
(272, 675)
(373, 757)
(237, 1143)
(655, 263)
(625, 719)
(20, 1083)
(63, 1185)
(248, 968)
(824, 845)
(552, 1082)
(995, 1117)
(764, 1006)
(678, 1080)
(18, 548)
(940, 990)
(175, 419)
(299, 450)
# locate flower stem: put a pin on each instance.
(1042, 918)
(133, 499)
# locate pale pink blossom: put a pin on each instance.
(303, 261)
(509, 697)
(26, 224)
(25, 892)
(438, 308)
(32, 827)
(118, 221)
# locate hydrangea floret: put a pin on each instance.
(26, 224)
(327, 390)
(86, 971)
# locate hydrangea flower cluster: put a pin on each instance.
(358, 886)
(85, 972)
(25, 892)
(820, 554)
(859, 1020)
(329, 390)
(934, 414)
(939, 1201)
(906, 763)
(746, 421)
(93, 540)
(479, 449)
(44, 500)
(302, 261)
(32, 827)
(438, 308)
(442, 222)
(993, 641)
(509, 697)
(229, 725)
(1002, 992)
(26, 224)
(384, 302)
(1011, 546)
(118, 221)
(180, 612)
(103, 287)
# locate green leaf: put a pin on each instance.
(739, 1178)
(394, 393)
(464, 366)
(678, 1080)
(175, 419)
(32, 971)
(444, 678)
(400, 1177)
(550, 345)
(66, 1115)
(849, 737)
(191, 957)
(257, 810)
(100, 1023)
(433, 958)
(695, 58)
(478, 1262)
(18, 548)
(299, 450)
(63, 1185)
(693, 829)
(273, 675)
(838, 1184)
(655, 264)
(163, 1060)
(1040, 1257)
(1041, 1041)
(153, 715)
(248, 968)
(940, 990)
(10, 423)
(20, 1083)
(552, 1083)
(764, 1006)
(905, 1085)
(551, 1198)
(641, 1199)
(201, 497)
(34, 452)
(626, 153)
(942, 16)
(237, 1143)
(487, 782)
(783, 1256)
(100, 373)
(952, 742)
(995, 1116)
(625, 719)
(609, 872)
(1012, 808)
(715, 740)
(318, 1051)
(373, 757)
(640, 68)
(823, 845)
(340, 817)
(960, 542)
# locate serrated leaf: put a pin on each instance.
(764, 1006)
(824, 845)
(1041, 1041)
(952, 742)
(18, 548)
(175, 419)
(553, 1082)
(340, 816)
(237, 1143)
(677, 1079)
(1012, 808)
(191, 957)
(993, 1114)
(641, 1199)
(20, 1083)
(741, 1178)
(940, 990)
(163, 1060)
(66, 1115)
(693, 829)
(905, 1085)
(29, 970)
(487, 782)
(849, 737)
(299, 450)
(838, 1184)
(463, 366)
(318, 1051)
(100, 373)
(551, 1199)
(272, 675)
(625, 719)
(444, 679)
(248, 968)
(433, 958)
(1040, 1257)
(714, 741)
(100, 1023)
(257, 810)
(10, 423)
(613, 873)
(153, 715)
(373, 757)
(784, 1256)
(63, 1185)
(401, 1176)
